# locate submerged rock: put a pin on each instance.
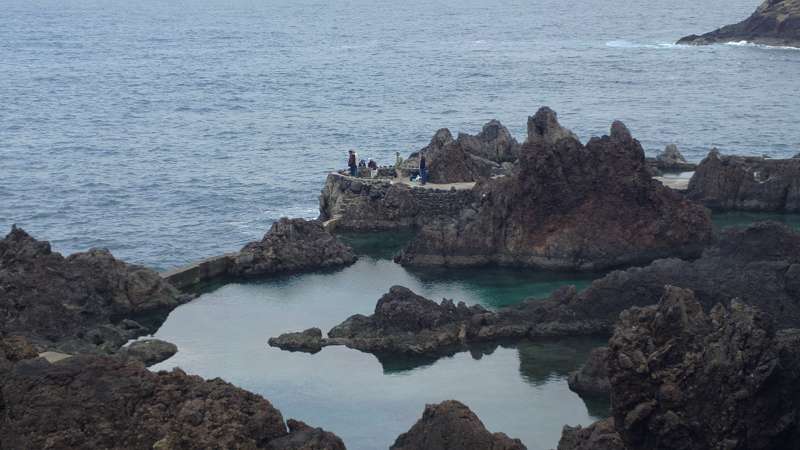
(85, 302)
(774, 22)
(451, 425)
(592, 378)
(747, 183)
(148, 351)
(292, 245)
(567, 206)
(102, 402)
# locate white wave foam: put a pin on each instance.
(768, 47)
(628, 44)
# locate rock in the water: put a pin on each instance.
(309, 341)
(567, 206)
(601, 435)
(77, 303)
(451, 425)
(592, 378)
(148, 351)
(292, 245)
(684, 379)
(305, 437)
(747, 183)
(105, 402)
(775, 22)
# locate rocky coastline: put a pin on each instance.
(774, 22)
(702, 350)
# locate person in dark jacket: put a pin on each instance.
(423, 169)
(351, 163)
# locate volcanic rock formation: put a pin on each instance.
(759, 264)
(747, 183)
(291, 245)
(451, 425)
(85, 302)
(101, 402)
(685, 379)
(592, 378)
(670, 160)
(774, 22)
(567, 206)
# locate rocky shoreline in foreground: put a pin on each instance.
(702, 350)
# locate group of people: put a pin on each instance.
(354, 165)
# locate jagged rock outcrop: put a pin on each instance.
(454, 164)
(349, 204)
(85, 302)
(451, 425)
(592, 378)
(601, 435)
(774, 22)
(669, 160)
(102, 402)
(684, 379)
(292, 245)
(759, 264)
(746, 183)
(494, 143)
(567, 206)
(148, 351)
(305, 437)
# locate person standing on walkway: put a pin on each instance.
(423, 169)
(351, 163)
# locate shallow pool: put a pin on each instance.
(518, 389)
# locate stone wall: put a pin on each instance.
(357, 204)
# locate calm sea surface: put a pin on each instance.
(170, 131)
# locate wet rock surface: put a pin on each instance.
(292, 245)
(101, 402)
(87, 301)
(774, 22)
(451, 425)
(727, 182)
(592, 378)
(567, 206)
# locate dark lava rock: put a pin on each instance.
(747, 183)
(292, 245)
(84, 302)
(684, 379)
(149, 351)
(670, 160)
(759, 264)
(14, 349)
(493, 143)
(405, 322)
(601, 435)
(451, 425)
(309, 341)
(453, 164)
(592, 378)
(567, 206)
(775, 22)
(102, 402)
(304, 437)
